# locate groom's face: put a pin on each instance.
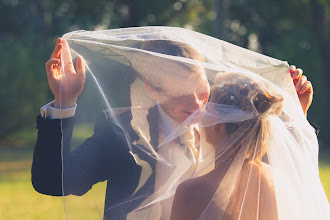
(180, 96)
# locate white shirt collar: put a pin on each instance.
(168, 124)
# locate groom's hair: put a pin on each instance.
(174, 48)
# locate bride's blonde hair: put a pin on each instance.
(247, 94)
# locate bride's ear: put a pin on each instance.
(150, 90)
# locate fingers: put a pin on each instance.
(295, 73)
(306, 87)
(302, 80)
(291, 68)
(57, 49)
(51, 63)
(298, 78)
(53, 69)
(80, 67)
(66, 55)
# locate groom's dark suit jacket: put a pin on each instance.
(104, 156)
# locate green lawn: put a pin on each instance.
(324, 164)
(18, 199)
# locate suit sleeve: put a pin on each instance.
(316, 128)
(101, 157)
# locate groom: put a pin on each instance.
(86, 166)
(118, 165)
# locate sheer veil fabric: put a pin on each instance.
(186, 123)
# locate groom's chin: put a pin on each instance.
(182, 117)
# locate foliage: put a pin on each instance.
(297, 31)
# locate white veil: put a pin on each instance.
(188, 126)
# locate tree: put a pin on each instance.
(295, 30)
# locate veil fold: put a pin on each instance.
(174, 124)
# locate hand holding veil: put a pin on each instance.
(248, 152)
(66, 92)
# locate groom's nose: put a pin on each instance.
(195, 102)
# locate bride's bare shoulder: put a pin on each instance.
(262, 174)
(191, 198)
(267, 172)
(254, 170)
(194, 188)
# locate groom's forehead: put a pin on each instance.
(193, 83)
(172, 48)
(184, 76)
(170, 73)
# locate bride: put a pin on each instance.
(260, 168)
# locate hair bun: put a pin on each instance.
(266, 103)
(246, 93)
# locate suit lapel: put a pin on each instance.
(153, 120)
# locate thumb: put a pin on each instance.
(80, 67)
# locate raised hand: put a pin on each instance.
(303, 87)
(69, 81)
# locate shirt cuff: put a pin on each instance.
(48, 111)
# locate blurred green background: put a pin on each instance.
(297, 31)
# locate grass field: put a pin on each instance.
(18, 199)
